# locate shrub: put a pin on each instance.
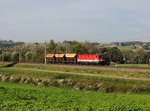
(39, 80)
(23, 80)
(79, 86)
(31, 81)
(16, 79)
(110, 89)
(61, 76)
(92, 88)
(5, 78)
(45, 83)
(54, 83)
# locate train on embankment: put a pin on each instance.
(74, 58)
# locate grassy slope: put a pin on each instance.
(52, 71)
(23, 97)
(127, 81)
(98, 71)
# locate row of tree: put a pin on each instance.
(35, 52)
(9, 43)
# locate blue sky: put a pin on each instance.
(82, 20)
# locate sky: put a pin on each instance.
(81, 20)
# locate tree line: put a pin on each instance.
(35, 52)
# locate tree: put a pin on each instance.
(87, 47)
(140, 56)
(128, 56)
(28, 56)
(6, 56)
(103, 49)
(51, 46)
(74, 47)
(60, 48)
(15, 57)
(116, 55)
(38, 54)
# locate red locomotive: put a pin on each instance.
(78, 58)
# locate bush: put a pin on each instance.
(54, 83)
(61, 76)
(110, 89)
(45, 83)
(92, 88)
(16, 79)
(5, 78)
(31, 81)
(23, 79)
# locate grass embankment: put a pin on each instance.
(35, 98)
(96, 71)
(81, 78)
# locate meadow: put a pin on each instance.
(20, 97)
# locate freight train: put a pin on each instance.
(73, 58)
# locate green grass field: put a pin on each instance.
(127, 47)
(21, 97)
(130, 48)
(39, 87)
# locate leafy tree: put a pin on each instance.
(60, 48)
(104, 53)
(87, 47)
(140, 56)
(38, 53)
(23, 49)
(147, 58)
(116, 55)
(28, 56)
(74, 47)
(128, 56)
(6, 56)
(15, 57)
(103, 49)
(51, 46)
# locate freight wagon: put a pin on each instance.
(72, 58)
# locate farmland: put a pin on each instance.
(24, 97)
(73, 87)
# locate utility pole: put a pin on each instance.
(19, 56)
(2, 54)
(66, 46)
(45, 53)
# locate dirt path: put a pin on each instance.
(86, 74)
